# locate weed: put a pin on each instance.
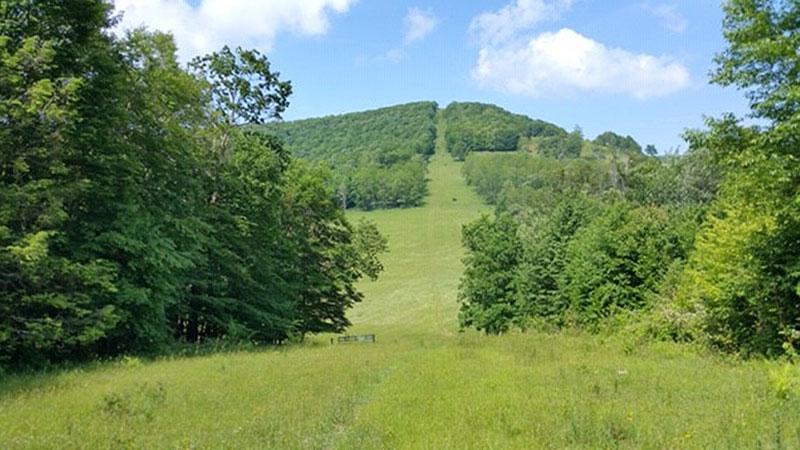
(784, 381)
(139, 403)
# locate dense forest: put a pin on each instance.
(472, 127)
(480, 127)
(697, 247)
(379, 157)
(136, 212)
(581, 238)
(499, 177)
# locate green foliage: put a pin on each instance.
(379, 156)
(742, 275)
(147, 218)
(373, 186)
(243, 88)
(238, 288)
(624, 143)
(761, 57)
(330, 256)
(369, 243)
(617, 262)
(599, 235)
(569, 146)
(784, 381)
(470, 127)
(52, 303)
(742, 280)
(675, 180)
(487, 287)
(540, 277)
(494, 175)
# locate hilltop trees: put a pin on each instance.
(134, 213)
(614, 140)
(379, 156)
(470, 127)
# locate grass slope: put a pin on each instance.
(422, 385)
(417, 292)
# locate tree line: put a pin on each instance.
(578, 240)
(470, 127)
(136, 211)
(543, 169)
(379, 156)
(699, 247)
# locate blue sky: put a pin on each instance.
(636, 67)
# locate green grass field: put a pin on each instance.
(422, 385)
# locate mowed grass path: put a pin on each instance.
(422, 385)
(417, 293)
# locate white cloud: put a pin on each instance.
(392, 56)
(669, 15)
(213, 23)
(565, 63)
(496, 27)
(419, 24)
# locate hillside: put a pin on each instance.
(472, 127)
(379, 156)
(422, 385)
(479, 127)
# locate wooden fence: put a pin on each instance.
(356, 338)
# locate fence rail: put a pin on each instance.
(357, 338)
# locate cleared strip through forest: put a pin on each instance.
(418, 290)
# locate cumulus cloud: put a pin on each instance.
(418, 25)
(207, 25)
(493, 28)
(566, 63)
(669, 15)
(562, 63)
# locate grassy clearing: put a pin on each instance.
(417, 292)
(422, 385)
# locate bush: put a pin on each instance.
(617, 262)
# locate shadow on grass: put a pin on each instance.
(14, 382)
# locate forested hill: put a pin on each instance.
(379, 156)
(471, 127)
(479, 126)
